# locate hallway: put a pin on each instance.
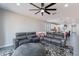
(74, 42)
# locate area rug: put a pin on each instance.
(53, 50)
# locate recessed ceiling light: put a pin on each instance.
(18, 4)
(66, 5)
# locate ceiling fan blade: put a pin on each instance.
(47, 12)
(37, 12)
(42, 4)
(35, 5)
(33, 9)
(51, 9)
(50, 5)
(42, 13)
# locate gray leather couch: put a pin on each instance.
(31, 37)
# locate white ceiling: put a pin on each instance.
(67, 13)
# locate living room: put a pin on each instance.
(21, 18)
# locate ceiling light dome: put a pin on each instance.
(66, 5)
(18, 4)
(42, 10)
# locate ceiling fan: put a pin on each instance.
(43, 8)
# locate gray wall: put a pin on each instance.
(11, 23)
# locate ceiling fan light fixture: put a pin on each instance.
(18, 4)
(42, 10)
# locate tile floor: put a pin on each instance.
(74, 42)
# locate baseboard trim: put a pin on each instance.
(6, 45)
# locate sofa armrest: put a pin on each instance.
(63, 42)
(16, 43)
(17, 40)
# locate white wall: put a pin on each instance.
(2, 36)
(11, 23)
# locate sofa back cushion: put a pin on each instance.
(20, 34)
(58, 35)
(33, 37)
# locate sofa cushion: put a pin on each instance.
(52, 40)
(21, 37)
(20, 34)
(30, 33)
(58, 34)
(24, 41)
(33, 37)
